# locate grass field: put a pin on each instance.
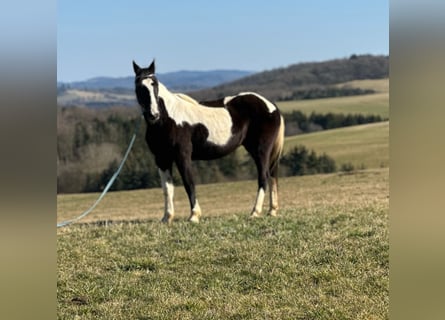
(370, 104)
(362, 146)
(324, 257)
(378, 85)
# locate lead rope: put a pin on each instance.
(110, 183)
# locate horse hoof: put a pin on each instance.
(194, 219)
(272, 213)
(167, 219)
(254, 215)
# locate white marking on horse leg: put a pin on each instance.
(196, 213)
(168, 189)
(258, 207)
(273, 189)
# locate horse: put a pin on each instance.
(180, 129)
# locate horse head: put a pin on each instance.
(147, 91)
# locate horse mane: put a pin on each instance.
(186, 98)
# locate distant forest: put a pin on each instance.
(305, 80)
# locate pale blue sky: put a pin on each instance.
(101, 38)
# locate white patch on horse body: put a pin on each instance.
(270, 106)
(227, 99)
(184, 109)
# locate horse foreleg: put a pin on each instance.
(258, 206)
(185, 169)
(168, 189)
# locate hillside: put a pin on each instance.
(107, 91)
(178, 80)
(96, 98)
(364, 146)
(369, 104)
(295, 81)
(302, 81)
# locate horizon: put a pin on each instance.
(219, 70)
(187, 36)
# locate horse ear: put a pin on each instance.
(151, 68)
(136, 68)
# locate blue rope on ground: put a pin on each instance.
(109, 184)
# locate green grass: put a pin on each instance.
(378, 85)
(362, 146)
(324, 257)
(370, 104)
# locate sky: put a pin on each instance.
(101, 38)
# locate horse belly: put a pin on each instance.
(210, 151)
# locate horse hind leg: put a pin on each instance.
(276, 152)
(262, 186)
(273, 192)
(267, 168)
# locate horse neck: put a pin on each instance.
(169, 98)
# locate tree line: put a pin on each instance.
(297, 122)
(91, 144)
(320, 92)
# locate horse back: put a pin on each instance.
(219, 103)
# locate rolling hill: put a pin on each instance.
(290, 82)
(363, 146)
(369, 104)
(178, 80)
(100, 92)
(302, 81)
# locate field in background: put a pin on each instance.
(363, 146)
(370, 104)
(324, 257)
(378, 85)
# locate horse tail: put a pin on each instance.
(277, 148)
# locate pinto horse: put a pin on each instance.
(180, 129)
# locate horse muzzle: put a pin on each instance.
(151, 117)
